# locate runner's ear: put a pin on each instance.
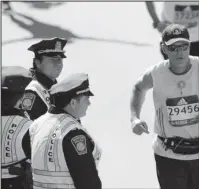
(163, 48)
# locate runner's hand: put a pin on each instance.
(139, 127)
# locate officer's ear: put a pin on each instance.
(73, 102)
(37, 62)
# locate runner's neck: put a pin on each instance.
(180, 71)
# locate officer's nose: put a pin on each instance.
(58, 63)
(89, 102)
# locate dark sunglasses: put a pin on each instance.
(175, 48)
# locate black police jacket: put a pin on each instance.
(37, 106)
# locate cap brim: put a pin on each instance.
(88, 93)
(52, 54)
(62, 55)
(174, 40)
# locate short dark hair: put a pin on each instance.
(40, 58)
(34, 66)
(61, 100)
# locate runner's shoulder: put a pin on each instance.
(158, 66)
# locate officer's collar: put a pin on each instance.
(55, 110)
(44, 80)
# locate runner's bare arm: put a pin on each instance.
(157, 23)
(143, 84)
(152, 11)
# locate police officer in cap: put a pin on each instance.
(47, 66)
(64, 155)
(15, 138)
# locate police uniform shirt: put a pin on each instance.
(26, 138)
(37, 106)
(82, 167)
(26, 145)
(12, 171)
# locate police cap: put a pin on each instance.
(49, 47)
(15, 78)
(72, 86)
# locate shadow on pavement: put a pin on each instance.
(45, 30)
(43, 4)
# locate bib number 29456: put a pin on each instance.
(183, 111)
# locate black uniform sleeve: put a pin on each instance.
(33, 104)
(27, 174)
(26, 145)
(77, 149)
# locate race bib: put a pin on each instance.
(183, 111)
(188, 13)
